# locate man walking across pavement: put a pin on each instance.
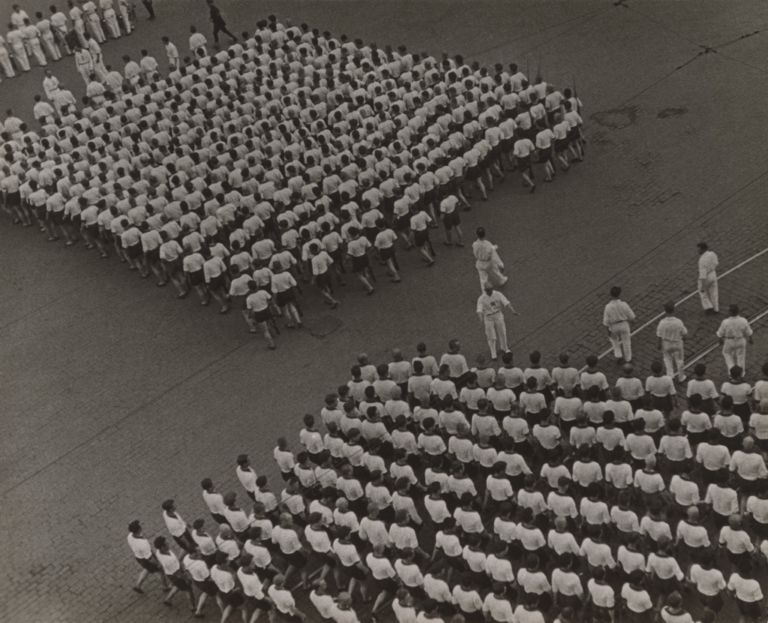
(671, 333)
(708, 279)
(490, 309)
(734, 333)
(487, 261)
(219, 25)
(616, 318)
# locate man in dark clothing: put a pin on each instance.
(150, 8)
(219, 25)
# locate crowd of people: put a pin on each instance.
(290, 153)
(49, 38)
(440, 493)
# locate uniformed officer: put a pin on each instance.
(708, 279)
(490, 309)
(616, 318)
(734, 332)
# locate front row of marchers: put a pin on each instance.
(444, 494)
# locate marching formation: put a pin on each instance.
(292, 156)
(48, 39)
(440, 493)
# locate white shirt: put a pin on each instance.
(707, 264)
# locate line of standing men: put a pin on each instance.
(733, 333)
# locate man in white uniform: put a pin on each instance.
(110, 17)
(708, 279)
(671, 332)
(33, 42)
(490, 309)
(487, 261)
(734, 332)
(123, 7)
(50, 85)
(60, 30)
(5, 60)
(15, 39)
(47, 37)
(84, 64)
(616, 318)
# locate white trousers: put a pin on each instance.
(735, 353)
(7, 65)
(36, 48)
(621, 341)
(491, 274)
(110, 17)
(22, 60)
(673, 357)
(94, 27)
(51, 48)
(85, 72)
(709, 294)
(496, 333)
(61, 39)
(126, 19)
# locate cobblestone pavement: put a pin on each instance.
(117, 396)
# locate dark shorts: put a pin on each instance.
(666, 586)
(323, 281)
(196, 278)
(451, 219)
(284, 298)
(323, 558)
(387, 585)
(180, 582)
(403, 223)
(359, 263)
(172, 267)
(574, 134)
(58, 217)
(473, 173)
(545, 155)
(208, 587)
(134, 251)
(263, 315)
(420, 238)
(92, 231)
(387, 254)
(297, 559)
(153, 256)
(370, 233)
(258, 604)
(148, 564)
(233, 598)
(216, 283)
(337, 255)
(354, 572)
(14, 199)
(561, 145)
(523, 164)
(749, 609)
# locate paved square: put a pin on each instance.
(117, 396)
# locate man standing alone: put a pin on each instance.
(616, 318)
(219, 25)
(671, 332)
(708, 279)
(490, 309)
